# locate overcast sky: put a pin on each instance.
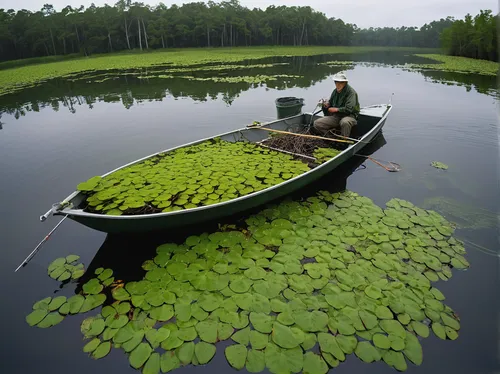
(364, 13)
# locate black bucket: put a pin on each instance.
(288, 106)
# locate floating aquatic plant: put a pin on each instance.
(64, 268)
(325, 154)
(439, 165)
(203, 174)
(335, 272)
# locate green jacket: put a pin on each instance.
(347, 101)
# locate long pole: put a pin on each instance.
(303, 135)
(25, 262)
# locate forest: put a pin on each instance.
(135, 26)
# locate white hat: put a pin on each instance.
(340, 77)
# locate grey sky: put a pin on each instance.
(364, 13)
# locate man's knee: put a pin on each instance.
(346, 125)
(321, 125)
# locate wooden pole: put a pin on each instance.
(304, 135)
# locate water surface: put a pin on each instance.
(60, 133)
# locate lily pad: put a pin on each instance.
(236, 355)
(140, 355)
(367, 352)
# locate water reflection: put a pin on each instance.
(137, 248)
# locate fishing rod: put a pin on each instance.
(32, 254)
(55, 207)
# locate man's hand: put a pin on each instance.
(333, 110)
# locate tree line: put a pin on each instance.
(128, 26)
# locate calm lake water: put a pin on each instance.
(63, 132)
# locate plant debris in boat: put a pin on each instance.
(204, 174)
(305, 286)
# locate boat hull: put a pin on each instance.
(172, 220)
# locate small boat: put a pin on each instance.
(370, 122)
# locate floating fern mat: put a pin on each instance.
(301, 287)
(207, 173)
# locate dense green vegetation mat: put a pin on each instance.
(17, 78)
(460, 64)
(301, 287)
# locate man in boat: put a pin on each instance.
(341, 111)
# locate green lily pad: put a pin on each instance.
(152, 365)
(169, 362)
(207, 330)
(91, 345)
(279, 360)
(395, 360)
(256, 361)
(367, 352)
(36, 316)
(185, 353)
(413, 349)
(286, 337)
(140, 355)
(50, 320)
(420, 328)
(439, 330)
(381, 341)
(311, 321)
(314, 364)
(258, 340)
(236, 355)
(204, 352)
(102, 350)
(328, 343)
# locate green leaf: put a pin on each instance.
(120, 294)
(101, 351)
(286, 337)
(279, 360)
(152, 365)
(256, 361)
(156, 337)
(439, 330)
(450, 321)
(92, 326)
(393, 327)
(395, 360)
(367, 352)
(413, 349)
(242, 336)
(75, 303)
(36, 316)
(311, 321)
(347, 343)
(421, 329)
(91, 345)
(381, 341)
(236, 355)
(258, 340)
(140, 355)
(185, 353)
(50, 320)
(373, 291)
(169, 362)
(204, 352)
(162, 313)
(369, 319)
(314, 364)
(328, 343)
(261, 322)
(207, 330)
